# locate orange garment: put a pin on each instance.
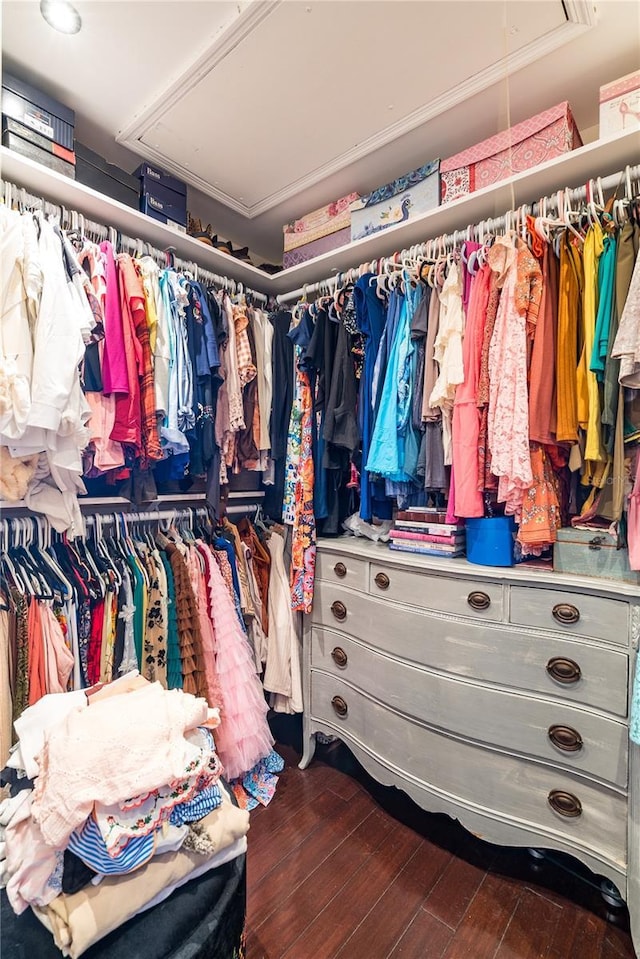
(569, 314)
(261, 565)
(540, 518)
(37, 664)
(542, 370)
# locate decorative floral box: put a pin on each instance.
(402, 199)
(329, 219)
(322, 245)
(526, 145)
(620, 105)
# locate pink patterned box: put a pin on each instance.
(313, 226)
(323, 245)
(543, 137)
(620, 105)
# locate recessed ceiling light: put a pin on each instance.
(61, 15)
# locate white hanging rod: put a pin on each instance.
(72, 220)
(16, 530)
(477, 232)
(147, 516)
(109, 502)
(175, 515)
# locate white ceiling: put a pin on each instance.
(269, 108)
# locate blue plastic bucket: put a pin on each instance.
(490, 541)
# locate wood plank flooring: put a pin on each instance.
(332, 874)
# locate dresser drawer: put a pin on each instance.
(342, 569)
(462, 597)
(516, 789)
(594, 616)
(581, 740)
(594, 676)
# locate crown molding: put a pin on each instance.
(249, 18)
(581, 15)
(583, 12)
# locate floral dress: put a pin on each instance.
(508, 419)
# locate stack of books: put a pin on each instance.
(425, 530)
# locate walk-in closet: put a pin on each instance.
(320, 479)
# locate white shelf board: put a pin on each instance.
(116, 503)
(601, 158)
(59, 189)
(570, 170)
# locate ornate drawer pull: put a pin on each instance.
(382, 581)
(339, 610)
(339, 656)
(479, 600)
(565, 613)
(565, 738)
(339, 705)
(564, 671)
(565, 804)
(340, 570)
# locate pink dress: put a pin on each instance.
(466, 415)
(243, 737)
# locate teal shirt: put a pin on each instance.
(174, 663)
(606, 277)
(138, 600)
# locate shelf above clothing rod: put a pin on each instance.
(59, 189)
(601, 158)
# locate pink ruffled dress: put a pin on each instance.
(243, 737)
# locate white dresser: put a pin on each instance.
(498, 696)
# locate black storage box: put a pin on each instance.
(32, 151)
(94, 171)
(204, 919)
(49, 146)
(28, 105)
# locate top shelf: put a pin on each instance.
(601, 158)
(61, 190)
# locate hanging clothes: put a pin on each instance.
(466, 416)
(542, 370)
(371, 315)
(447, 352)
(588, 392)
(569, 312)
(508, 416)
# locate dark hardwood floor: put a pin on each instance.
(332, 874)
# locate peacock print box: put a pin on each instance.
(402, 199)
(525, 145)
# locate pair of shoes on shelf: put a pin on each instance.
(206, 235)
(198, 232)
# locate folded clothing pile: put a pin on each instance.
(116, 800)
